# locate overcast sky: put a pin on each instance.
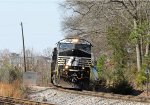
(41, 21)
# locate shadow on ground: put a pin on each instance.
(103, 88)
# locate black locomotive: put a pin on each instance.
(71, 62)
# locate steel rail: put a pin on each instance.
(18, 101)
(104, 95)
(94, 94)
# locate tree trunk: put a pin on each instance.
(138, 51)
(147, 47)
(141, 50)
(138, 58)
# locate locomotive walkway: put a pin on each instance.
(60, 96)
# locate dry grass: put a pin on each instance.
(11, 90)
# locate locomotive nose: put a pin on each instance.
(73, 61)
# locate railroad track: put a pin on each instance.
(17, 101)
(107, 95)
(55, 95)
(102, 95)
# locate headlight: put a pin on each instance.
(83, 67)
(75, 40)
(66, 67)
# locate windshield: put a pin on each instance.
(83, 47)
(66, 46)
(70, 46)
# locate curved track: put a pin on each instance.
(61, 96)
(16, 101)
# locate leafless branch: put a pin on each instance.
(126, 7)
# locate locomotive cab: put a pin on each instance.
(71, 63)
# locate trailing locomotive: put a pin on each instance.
(71, 61)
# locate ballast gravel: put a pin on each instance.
(54, 96)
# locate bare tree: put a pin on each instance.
(91, 19)
(47, 52)
(135, 9)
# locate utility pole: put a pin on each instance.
(23, 48)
